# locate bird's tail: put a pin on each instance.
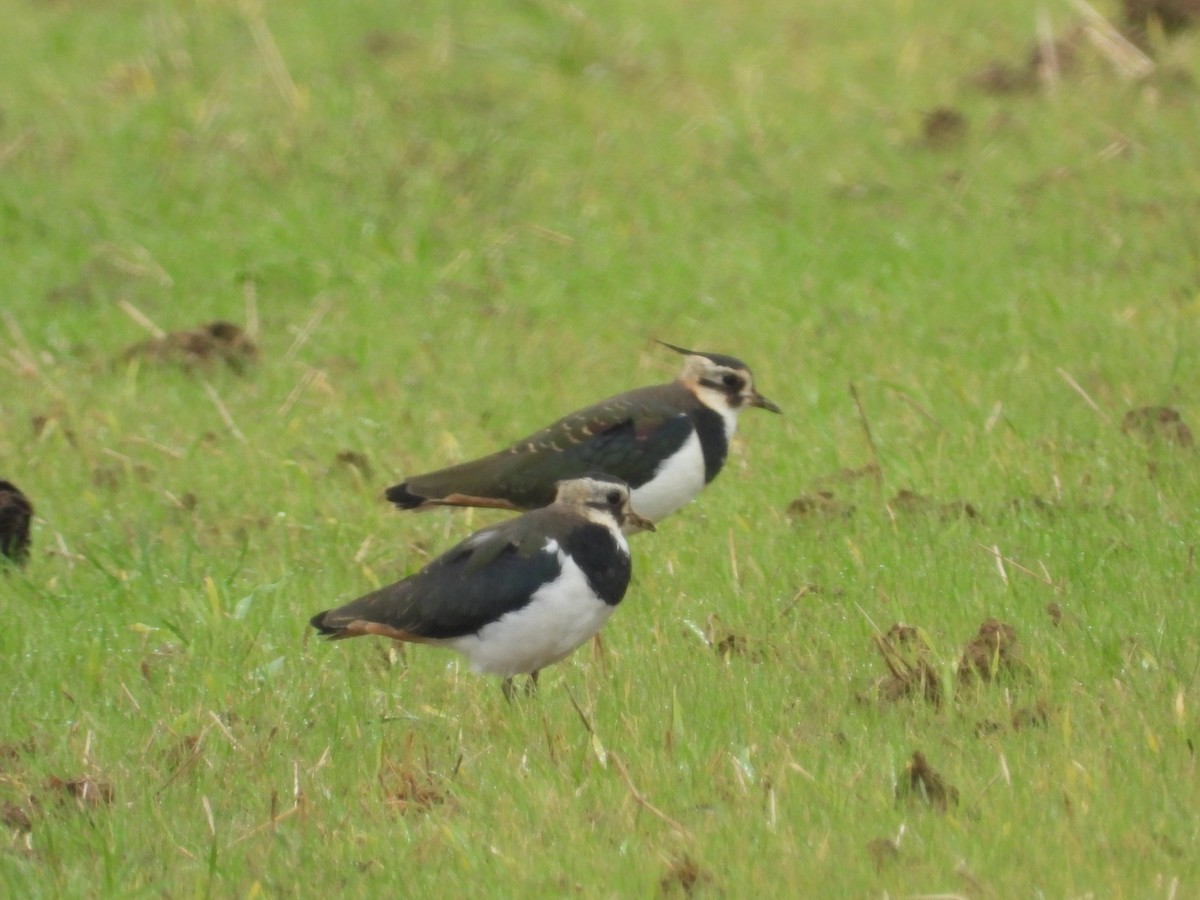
(358, 618)
(327, 629)
(404, 497)
(400, 495)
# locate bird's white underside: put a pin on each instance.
(560, 616)
(680, 477)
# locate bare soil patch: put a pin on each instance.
(1158, 424)
(198, 348)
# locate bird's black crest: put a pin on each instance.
(720, 359)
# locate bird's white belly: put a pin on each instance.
(559, 617)
(679, 478)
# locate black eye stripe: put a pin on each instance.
(728, 381)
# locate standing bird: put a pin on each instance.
(517, 596)
(667, 441)
(15, 514)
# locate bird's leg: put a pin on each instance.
(598, 651)
(510, 689)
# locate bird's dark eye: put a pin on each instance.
(732, 381)
(614, 498)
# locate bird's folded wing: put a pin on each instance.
(489, 574)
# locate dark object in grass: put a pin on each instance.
(1158, 423)
(1000, 77)
(906, 654)
(725, 640)
(683, 874)
(15, 816)
(353, 461)
(987, 727)
(920, 782)
(86, 791)
(16, 512)
(1036, 716)
(408, 788)
(1173, 16)
(820, 504)
(1032, 504)
(907, 501)
(883, 852)
(199, 348)
(1045, 63)
(992, 651)
(943, 127)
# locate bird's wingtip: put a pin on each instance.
(401, 496)
(325, 630)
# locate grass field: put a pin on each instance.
(445, 224)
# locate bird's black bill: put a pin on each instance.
(632, 518)
(763, 403)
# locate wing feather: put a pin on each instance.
(626, 436)
(493, 572)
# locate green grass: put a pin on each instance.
(457, 221)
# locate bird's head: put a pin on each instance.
(599, 495)
(721, 382)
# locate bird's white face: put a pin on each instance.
(602, 499)
(723, 386)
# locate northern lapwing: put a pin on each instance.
(517, 596)
(15, 514)
(666, 440)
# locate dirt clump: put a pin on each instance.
(354, 462)
(987, 727)
(907, 501)
(1033, 503)
(16, 816)
(198, 348)
(883, 852)
(409, 785)
(943, 127)
(910, 672)
(1001, 77)
(727, 642)
(993, 650)
(85, 791)
(1158, 423)
(1045, 62)
(919, 781)
(1036, 716)
(683, 875)
(411, 793)
(386, 43)
(819, 505)
(1172, 16)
